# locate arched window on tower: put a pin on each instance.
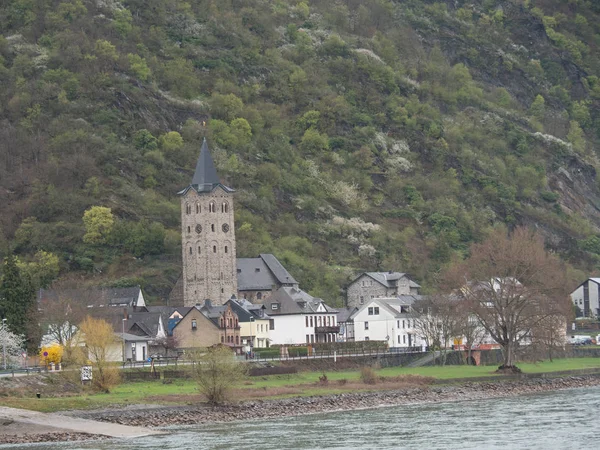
(188, 209)
(214, 249)
(198, 208)
(224, 207)
(212, 207)
(212, 227)
(191, 251)
(199, 250)
(225, 249)
(189, 229)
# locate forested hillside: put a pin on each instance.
(359, 135)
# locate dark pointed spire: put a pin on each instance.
(205, 177)
(206, 174)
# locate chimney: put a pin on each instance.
(207, 304)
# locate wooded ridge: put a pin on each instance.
(359, 135)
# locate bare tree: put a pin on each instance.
(468, 326)
(513, 286)
(217, 371)
(436, 321)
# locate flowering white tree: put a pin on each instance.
(12, 346)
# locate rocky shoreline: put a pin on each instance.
(272, 409)
(168, 416)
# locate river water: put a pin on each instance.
(554, 420)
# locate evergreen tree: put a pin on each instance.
(16, 297)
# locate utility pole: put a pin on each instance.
(4, 342)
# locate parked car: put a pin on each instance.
(580, 340)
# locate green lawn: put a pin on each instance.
(304, 383)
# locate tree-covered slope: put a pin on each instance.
(359, 135)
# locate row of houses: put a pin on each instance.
(378, 308)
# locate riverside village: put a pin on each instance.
(230, 319)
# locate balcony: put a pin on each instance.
(322, 330)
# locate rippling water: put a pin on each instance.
(554, 420)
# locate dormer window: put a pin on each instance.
(257, 269)
(274, 306)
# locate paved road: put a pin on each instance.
(72, 424)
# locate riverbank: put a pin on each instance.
(277, 408)
(406, 392)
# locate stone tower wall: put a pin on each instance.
(209, 254)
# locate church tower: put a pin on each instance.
(207, 236)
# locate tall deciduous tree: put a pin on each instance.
(513, 286)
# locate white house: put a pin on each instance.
(586, 298)
(387, 319)
(299, 318)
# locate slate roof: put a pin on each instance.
(292, 300)
(345, 313)
(246, 310)
(94, 297)
(389, 279)
(261, 273)
(205, 177)
(397, 306)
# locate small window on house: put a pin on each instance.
(306, 319)
(403, 324)
(398, 339)
(237, 340)
(376, 310)
(259, 296)
(271, 324)
(274, 306)
(366, 325)
(214, 249)
(312, 338)
(366, 338)
(257, 269)
(398, 324)
(362, 300)
(404, 339)
(370, 311)
(307, 339)
(311, 322)
(194, 324)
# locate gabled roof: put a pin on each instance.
(260, 274)
(396, 306)
(193, 308)
(388, 279)
(94, 297)
(292, 300)
(247, 311)
(205, 177)
(166, 312)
